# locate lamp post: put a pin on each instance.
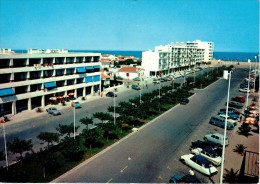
(140, 95)
(227, 75)
(247, 93)
(255, 72)
(6, 160)
(114, 106)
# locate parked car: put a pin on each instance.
(231, 115)
(137, 79)
(244, 90)
(184, 101)
(220, 122)
(230, 110)
(156, 81)
(203, 144)
(54, 111)
(76, 104)
(229, 119)
(111, 94)
(136, 87)
(216, 138)
(208, 153)
(239, 99)
(235, 104)
(200, 164)
(178, 178)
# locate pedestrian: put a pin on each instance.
(241, 118)
(146, 86)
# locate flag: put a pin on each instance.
(225, 74)
(248, 60)
(69, 108)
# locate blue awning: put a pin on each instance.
(96, 78)
(50, 85)
(6, 92)
(89, 67)
(96, 67)
(88, 79)
(81, 70)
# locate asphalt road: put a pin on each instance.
(151, 154)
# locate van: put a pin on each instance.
(220, 122)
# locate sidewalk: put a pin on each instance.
(233, 159)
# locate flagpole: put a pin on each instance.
(6, 161)
(247, 94)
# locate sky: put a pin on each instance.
(233, 25)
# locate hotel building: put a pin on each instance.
(39, 77)
(175, 57)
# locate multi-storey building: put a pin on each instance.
(177, 56)
(39, 77)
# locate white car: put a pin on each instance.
(216, 138)
(208, 153)
(230, 120)
(244, 90)
(200, 164)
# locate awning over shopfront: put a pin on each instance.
(96, 78)
(89, 68)
(97, 67)
(6, 92)
(81, 70)
(89, 79)
(50, 85)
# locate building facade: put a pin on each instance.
(166, 60)
(41, 77)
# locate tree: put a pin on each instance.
(93, 137)
(73, 150)
(67, 129)
(48, 137)
(230, 176)
(86, 121)
(103, 116)
(244, 129)
(19, 146)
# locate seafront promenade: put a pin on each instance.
(216, 62)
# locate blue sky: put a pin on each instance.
(233, 25)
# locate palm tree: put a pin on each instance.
(240, 148)
(230, 176)
(244, 129)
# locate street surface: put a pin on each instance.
(152, 154)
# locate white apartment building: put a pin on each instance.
(36, 78)
(175, 57)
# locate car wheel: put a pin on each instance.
(182, 160)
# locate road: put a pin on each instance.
(151, 154)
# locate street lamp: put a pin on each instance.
(255, 72)
(247, 93)
(114, 106)
(227, 75)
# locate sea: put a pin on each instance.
(226, 56)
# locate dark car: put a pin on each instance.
(236, 104)
(184, 179)
(239, 99)
(111, 94)
(203, 144)
(184, 101)
(230, 110)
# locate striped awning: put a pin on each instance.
(81, 70)
(89, 68)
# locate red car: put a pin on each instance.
(239, 99)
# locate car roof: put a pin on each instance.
(201, 159)
(210, 151)
(218, 134)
